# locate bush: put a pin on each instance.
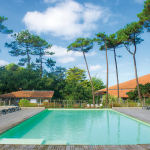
(132, 104)
(111, 98)
(32, 105)
(46, 104)
(147, 101)
(115, 105)
(57, 105)
(24, 103)
(76, 106)
(90, 101)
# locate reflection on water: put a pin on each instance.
(95, 127)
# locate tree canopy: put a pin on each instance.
(4, 29)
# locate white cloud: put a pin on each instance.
(69, 19)
(139, 1)
(93, 53)
(97, 67)
(3, 63)
(66, 59)
(64, 56)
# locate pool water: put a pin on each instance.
(90, 127)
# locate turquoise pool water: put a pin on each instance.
(91, 127)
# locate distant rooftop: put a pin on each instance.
(28, 94)
(125, 86)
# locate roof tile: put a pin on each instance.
(126, 86)
(29, 94)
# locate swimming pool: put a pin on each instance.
(79, 127)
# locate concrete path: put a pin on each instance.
(141, 114)
(12, 119)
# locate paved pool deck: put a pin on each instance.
(140, 114)
(10, 120)
(75, 147)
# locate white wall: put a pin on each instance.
(33, 100)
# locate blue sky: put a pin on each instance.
(60, 22)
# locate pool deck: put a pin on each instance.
(140, 114)
(12, 119)
(75, 147)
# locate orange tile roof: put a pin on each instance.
(126, 86)
(29, 94)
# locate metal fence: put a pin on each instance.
(72, 104)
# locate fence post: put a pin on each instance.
(142, 105)
(81, 103)
(127, 103)
(54, 103)
(112, 104)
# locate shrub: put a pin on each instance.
(102, 107)
(84, 105)
(32, 105)
(76, 106)
(46, 104)
(57, 105)
(115, 105)
(132, 104)
(24, 103)
(147, 101)
(111, 98)
(51, 105)
(90, 101)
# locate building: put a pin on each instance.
(124, 87)
(33, 96)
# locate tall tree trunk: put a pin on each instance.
(28, 57)
(116, 73)
(136, 71)
(136, 78)
(41, 68)
(107, 77)
(90, 79)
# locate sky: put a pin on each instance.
(61, 22)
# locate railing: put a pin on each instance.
(73, 104)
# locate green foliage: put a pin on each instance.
(75, 74)
(147, 101)
(32, 105)
(111, 98)
(133, 95)
(81, 45)
(22, 46)
(144, 90)
(14, 78)
(97, 83)
(4, 29)
(144, 16)
(40, 47)
(24, 103)
(130, 35)
(46, 104)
